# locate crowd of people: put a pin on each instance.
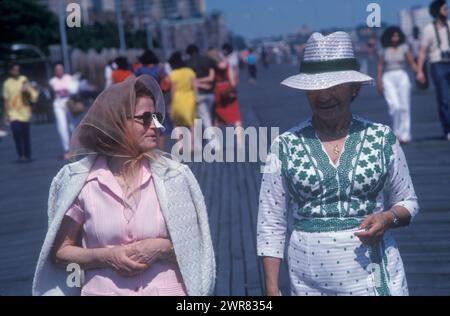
(23, 99)
(135, 220)
(203, 86)
(195, 85)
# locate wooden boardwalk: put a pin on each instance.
(231, 192)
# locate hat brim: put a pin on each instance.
(325, 80)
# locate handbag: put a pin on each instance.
(227, 96)
(75, 105)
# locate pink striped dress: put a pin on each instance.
(99, 208)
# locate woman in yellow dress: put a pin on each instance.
(184, 91)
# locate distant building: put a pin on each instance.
(135, 12)
(216, 29)
(183, 22)
(416, 16)
(172, 23)
(406, 21)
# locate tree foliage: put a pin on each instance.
(26, 21)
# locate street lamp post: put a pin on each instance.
(63, 35)
(123, 46)
(147, 10)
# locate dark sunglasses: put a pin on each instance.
(147, 117)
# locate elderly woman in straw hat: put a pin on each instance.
(344, 179)
(139, 215)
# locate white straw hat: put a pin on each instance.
(328, 61)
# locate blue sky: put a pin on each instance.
(253, 18)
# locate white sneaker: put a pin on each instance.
(3, 133)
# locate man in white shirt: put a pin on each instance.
(63, 86)
(436, 42)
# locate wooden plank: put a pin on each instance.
(238, 273)
(253, 278)
(253, 184)
(224, 253)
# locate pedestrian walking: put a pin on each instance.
(251, 61)
(17, 96)
(204, 68)
(62, 86)
(435, 45)
(131, 219)
(344, 179)
(123, 70)
(183, 96)
(393, 80)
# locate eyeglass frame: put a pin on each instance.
(147, 121)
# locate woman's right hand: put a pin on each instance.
(271, 267)
(117, 258)
(420, 76)
(273, 292)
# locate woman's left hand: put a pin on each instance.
(149, 250)
(377, 225)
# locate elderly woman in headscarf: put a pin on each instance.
(344, 179)
(131, 219)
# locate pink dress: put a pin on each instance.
(99, 208)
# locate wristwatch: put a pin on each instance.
(395, 220)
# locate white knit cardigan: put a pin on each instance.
(182, 205)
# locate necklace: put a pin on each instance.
(333, 149)
(336, 150)
(333, 141)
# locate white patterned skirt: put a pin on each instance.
(337, 263)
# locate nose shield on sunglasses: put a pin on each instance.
(149, 117)
(158, 125)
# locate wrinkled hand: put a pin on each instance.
(377, 225)
(118, 259)
(149, 250)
